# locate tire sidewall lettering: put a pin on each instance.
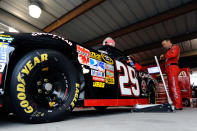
(21, 85)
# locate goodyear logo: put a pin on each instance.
(21, 87)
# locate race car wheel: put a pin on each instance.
(152, 94)
(44, 86)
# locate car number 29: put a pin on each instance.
(128, 83)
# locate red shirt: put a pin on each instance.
(172, 55)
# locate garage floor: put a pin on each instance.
(111, 120)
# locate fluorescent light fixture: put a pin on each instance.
(34, 11)
(12, 29)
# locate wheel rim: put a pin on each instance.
(49, 86)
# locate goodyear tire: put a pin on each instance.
(151, 94)
(43, 86)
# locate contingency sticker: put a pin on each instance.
(109, 77)
(97, 65)
(109, 80)
(95, 56)
(107, 59)
(99, 84)
(3, 47)
(109, 67)
(109, 74)
(95, 78)
(83, 55)
(7, 38)
(97, 73)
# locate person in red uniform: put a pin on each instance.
(172, 70)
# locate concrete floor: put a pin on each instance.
(111, 120)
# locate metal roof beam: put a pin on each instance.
(177, 39)
(72, 14)
(183, 9)
(183, 54)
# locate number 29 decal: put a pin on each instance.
(128, 83)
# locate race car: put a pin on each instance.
(44, 76)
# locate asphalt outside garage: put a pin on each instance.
(113, 119)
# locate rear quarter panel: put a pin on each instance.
(110, 82)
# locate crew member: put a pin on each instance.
(172, 70)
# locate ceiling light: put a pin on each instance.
(34, 11)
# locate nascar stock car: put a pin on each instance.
(44, 76)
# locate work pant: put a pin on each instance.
(173, 85)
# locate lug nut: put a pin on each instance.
(39, 91)
(46, 80)
(39, 83)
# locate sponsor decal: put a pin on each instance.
(83, 51)
(6, 38)
(109, 67)
(109, 80)
(95, 78)
(4, 44)
(107, 59)
(83, 59)
(109, 74)
(1, 35)
(21, 95)
(95, 56)
(93, 64)
(182, 74)
(2, 56)
(3, 49)
(97, 73)
(101, 66)
(97, 65)
(99, 84)
(83, 55)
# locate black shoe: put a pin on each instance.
(179, 108)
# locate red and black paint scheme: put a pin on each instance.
(104, 76)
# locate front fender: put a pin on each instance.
(5, 53)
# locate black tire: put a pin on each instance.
(151, 94)
(43, 86)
